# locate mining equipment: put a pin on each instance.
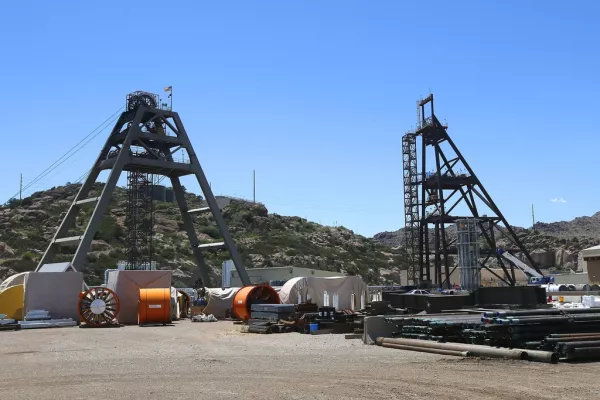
(441, 188)
(142, 142)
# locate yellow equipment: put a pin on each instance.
(11, 302)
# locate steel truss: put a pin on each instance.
(411, 204)
(139, 220)
(144, 140)
(436, 194)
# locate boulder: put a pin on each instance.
(564, 256)
(6, 251)
(544, 258)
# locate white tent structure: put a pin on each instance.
(16, 279)
(219, 302)
(341, 292)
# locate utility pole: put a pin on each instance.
(21, 188)
(532, 218)
(254, 185)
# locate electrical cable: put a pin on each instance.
(87, 139)
(62, 159)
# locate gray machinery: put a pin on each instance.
(467, 244)
(143, 140)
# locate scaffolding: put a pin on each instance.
(411, 205)
(139, 220)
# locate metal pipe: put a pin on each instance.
(566, 339)
(542, 356)
(473, 349)
(571, 345)
(549, 319)
(570, 335)
(583, 353)
(550, 311)
(427, 350)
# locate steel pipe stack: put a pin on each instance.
(546, 334)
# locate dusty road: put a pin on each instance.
(216, 361)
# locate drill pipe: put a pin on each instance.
(566, 339)
(551, 311)
(552, 319)
(473, 349)
(572, 345)
(583, 353)
(427, 350)
(572, 335)
(542, 356)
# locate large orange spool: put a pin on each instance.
(154, 306)
(248, 295)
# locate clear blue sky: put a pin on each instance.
(316, 95)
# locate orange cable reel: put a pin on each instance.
(248, 295)
(98, 306)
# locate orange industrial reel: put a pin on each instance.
(98, 306)
(248, 295)
(154, 306)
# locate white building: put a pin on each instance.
(277, 276)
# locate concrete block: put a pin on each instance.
(375, 327)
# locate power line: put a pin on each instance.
(87, 139)
(58, 162)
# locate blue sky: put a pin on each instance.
(316, 95)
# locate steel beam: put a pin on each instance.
(212, 202)
(188, 225)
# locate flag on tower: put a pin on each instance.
(168, 88)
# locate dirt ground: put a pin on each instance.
(214, 360)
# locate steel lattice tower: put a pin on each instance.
(143, 141)
(411, 204)
(139, 220)
(438, 193)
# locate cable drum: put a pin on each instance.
(98, 306)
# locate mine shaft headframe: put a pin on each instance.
(139, 142)
(444, 189)
(424, 120)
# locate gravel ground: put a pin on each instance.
(199, 360)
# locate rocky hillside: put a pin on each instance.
(263, 239)
(580, 227)
(554, 245)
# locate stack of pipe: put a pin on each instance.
(572, 334)
(447, 328)
(573, 346)
(529, 328)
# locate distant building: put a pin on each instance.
(277, 276)
(591, 263)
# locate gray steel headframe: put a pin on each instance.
(117, 155)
